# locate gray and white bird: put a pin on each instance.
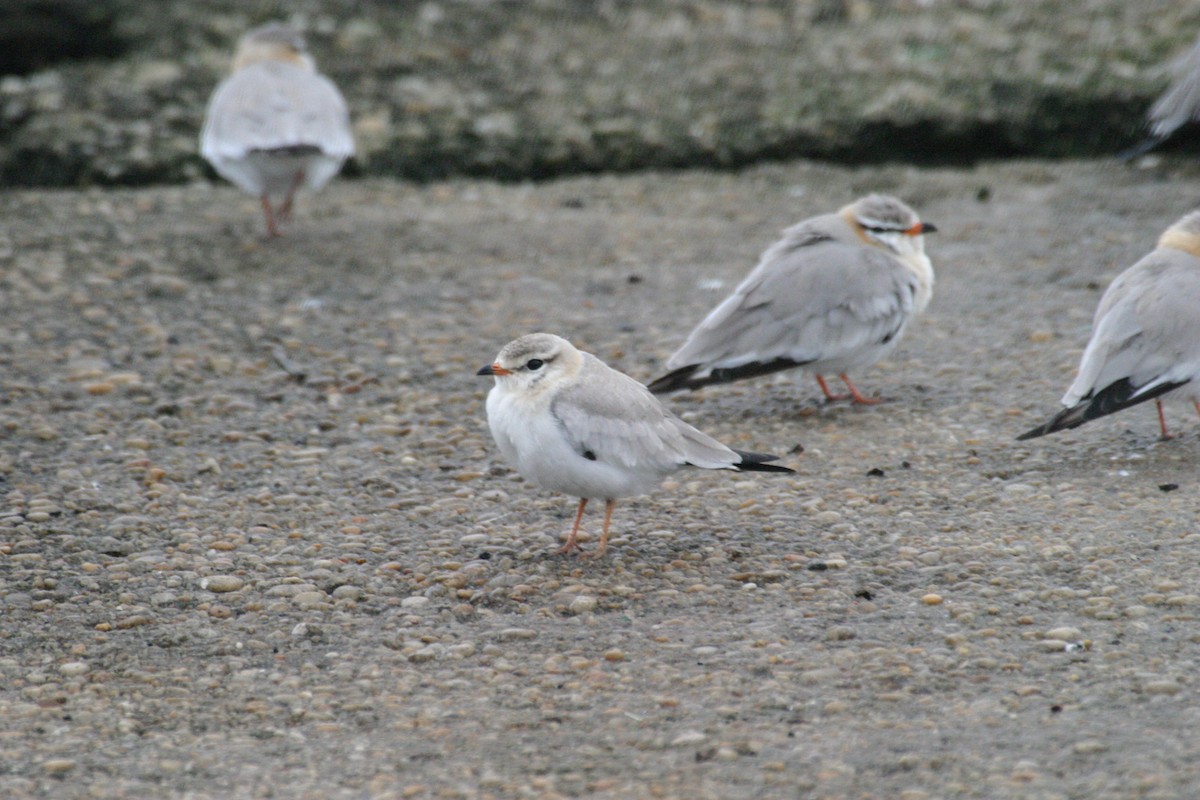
(570, 423)
(834, 295)
(1176, 107)
(1145, 336)
(276, 124)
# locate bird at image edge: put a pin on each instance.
(570, 423)
(1176, 107)
(835, 294)
(1145, 336)
(276, 124)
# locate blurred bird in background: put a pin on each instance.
(1178, 105)
(276, 124)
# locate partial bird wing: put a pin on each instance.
(272, 106)
(1147, 328)
(1177, 106)
(817, 299)
(617, 420)
(1181, 102)
(1145, 341)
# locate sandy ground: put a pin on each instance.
(255, 540)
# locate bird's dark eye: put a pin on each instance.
(534, 364)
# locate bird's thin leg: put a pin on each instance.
(1196, 403)
(609, 505)
(285, 210)
(856, 395)
(573, 539)
(830, 396)
(269, 216)
(1162, 419)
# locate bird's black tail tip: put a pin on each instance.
(758, 462)
(1117, 396)
(1066, 419)
(1040, 430)
(682, 378)
(1140, 149)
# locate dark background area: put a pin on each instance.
(114, 93)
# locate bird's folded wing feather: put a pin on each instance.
(821, 301)
(273, 105)
(1181, 102)
(617, 419)
(1147, 328)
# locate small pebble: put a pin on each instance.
(582, 604)
(1065, 634)
(932, 599)
(58, 766)
(509, 634)
(840, 633)
(688, 738)
(309, 599)
(1162, 687)
(222, 583)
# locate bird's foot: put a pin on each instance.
(571, 546)
(863, 400)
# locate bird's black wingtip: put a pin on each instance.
(1117, 396)
(1140, 149)
(759, 462)
(682, 378)
(1040, 430)
(1066, 419)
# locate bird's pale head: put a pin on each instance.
(885, 222)
(273, 41)
(534, 363)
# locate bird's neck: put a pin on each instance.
(256, 53)
(921, 266)
(1176, 239)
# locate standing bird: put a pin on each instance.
(569, 422)
(833, 295)
(1145, 335)
(276, 124)
(1177, 106)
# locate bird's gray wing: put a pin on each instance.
(1147, 328)
(269, 106)
(616, 419)
(1181, 102)
(822, 300)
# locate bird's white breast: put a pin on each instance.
(531, 439)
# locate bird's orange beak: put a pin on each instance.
(493, 369)
(921, 227)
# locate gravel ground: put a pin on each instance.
(255, 540)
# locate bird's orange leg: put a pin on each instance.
(830, 396)
(573, 539)
(269, 216)
(856, 395)
(1162, 420)
(609, 505)
(285, 210)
